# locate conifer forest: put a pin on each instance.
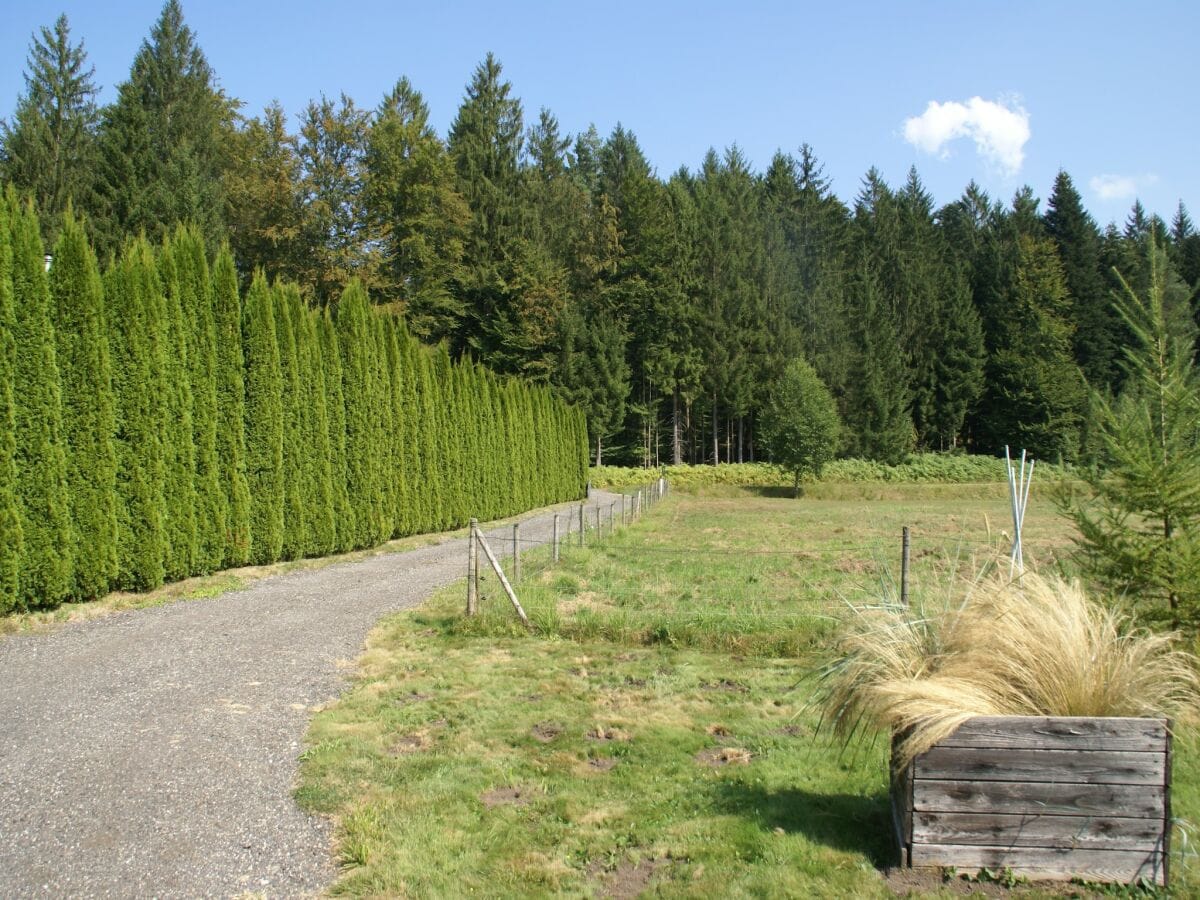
(278, 333)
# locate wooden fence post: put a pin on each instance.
(504, 581)
(582, 523)
(599, 530)
(472, 569)
(554, 537)
(517, 552)
(622, 509)
(611, 507)
(904, 548)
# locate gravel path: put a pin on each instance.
(153, 752)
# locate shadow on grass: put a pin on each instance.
(773, 492)
(848, 822)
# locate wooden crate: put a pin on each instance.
(1044, 797)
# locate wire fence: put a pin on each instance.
(885, 567)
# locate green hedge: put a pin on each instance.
(919, 468)
(154, 424)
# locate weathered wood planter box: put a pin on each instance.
(1053, 798)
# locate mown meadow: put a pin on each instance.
(656, 732)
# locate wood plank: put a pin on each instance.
(1071, 766)
(1060, 733)
(1022, 798)
(1122, 866)
(1037, 830)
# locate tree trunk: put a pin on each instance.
(676, 446)
(741, 439)
(716, 432)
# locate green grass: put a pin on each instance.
(655, 732)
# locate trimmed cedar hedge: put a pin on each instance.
(154, 424)
(1042, 797)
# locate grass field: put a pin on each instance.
(654, 733)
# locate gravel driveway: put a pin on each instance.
(153, 752)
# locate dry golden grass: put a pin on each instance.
(1037, 647)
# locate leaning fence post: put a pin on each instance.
(516, 552)
(904, 547)
(582, 523)
(622, 509)
(554, 537)
(472, 569)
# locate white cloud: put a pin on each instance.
(1120, 187)
(1000, 130)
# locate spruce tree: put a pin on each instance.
(11, 539)
(88, 411)
(186, 249)
(1077, 238)
(162, 143)
(231, 409)
(46, 566)
(136, 342)
(48, 151)
(264, 422)
(1140, 522)
(881, 424)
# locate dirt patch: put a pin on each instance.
(602, 763)
(725, 684)
(413, 697)
(628, 879)
(853, 566)
(508, 796)
(920, 882)
(546, 731)
(795, 731)
(630, 681)
(717, 730)
(715, 757)
(600, 733)
(410, 743)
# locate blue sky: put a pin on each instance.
(1022, 89)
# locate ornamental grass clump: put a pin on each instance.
(1037, 647)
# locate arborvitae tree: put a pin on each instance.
(46, 566)
(319, 526)
(264, 422)
(137, 345)
(11, 539)
(190, 266)
(343, 512)
(162, 142)
(397, 480)
(287, 301)
(1078, 242)
(47, 152)
(356, 339)
(880, 423)
(427, 444)
(179, 444)
(410, 191)
(88, 414)
(231, 409)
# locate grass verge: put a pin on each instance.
(655, 734)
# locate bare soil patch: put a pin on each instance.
(509, 796)
(546, 731)
(716, 757)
